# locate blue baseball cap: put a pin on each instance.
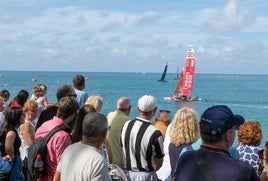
(218, 119)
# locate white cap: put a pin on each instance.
(147, 103)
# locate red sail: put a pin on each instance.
(186, 80)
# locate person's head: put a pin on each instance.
(22, 97)
(250, 133)
(164, 116)
(147, 105)
(184, 128)
(2, 102)
(263, 153)
(76, 133)
(65, 90)
(95, 125)
(123, 104)
(67, 106)
(96, 101)
(31, 110)
(39, 90)
(13, 117)
(217, 124)
(79, 82)
(5, 94)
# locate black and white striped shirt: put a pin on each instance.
(141, 143)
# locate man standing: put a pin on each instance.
(142, 143)
(83, 160)
(49, 113)
(116, 120)
(79, 86)
(67, 108)
(162, 121)
(213, 161)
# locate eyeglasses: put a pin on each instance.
(107, 129)
(167, 111)
(72, 95)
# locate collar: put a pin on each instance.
(214, 150)
(144, 120)
(60, 121)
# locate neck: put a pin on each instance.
(125, 111)
(218, 145)
(146, 117)
(92, 142)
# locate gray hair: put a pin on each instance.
(123, 103)
(94, 124)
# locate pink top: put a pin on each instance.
(56, 145)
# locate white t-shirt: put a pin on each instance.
(83, 162)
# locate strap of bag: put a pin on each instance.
(201, 163)
(54, 130)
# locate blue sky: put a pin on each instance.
(134, 36)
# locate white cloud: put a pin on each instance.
(68, 36)
(230, 18)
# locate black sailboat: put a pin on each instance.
(164, 74)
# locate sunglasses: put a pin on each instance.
(72, 95)
(108, 128)
(167, 111)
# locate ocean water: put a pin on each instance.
(244, 94)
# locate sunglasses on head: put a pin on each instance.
(72, 95)
(167, 111)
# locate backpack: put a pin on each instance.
(39, 146)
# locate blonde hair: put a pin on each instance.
(96, 101)
(184, 128)
(30, 105)
(39, 90)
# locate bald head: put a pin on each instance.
(163, 116)
(123, 103)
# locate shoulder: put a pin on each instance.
(26, 126)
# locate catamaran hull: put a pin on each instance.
(175, 99)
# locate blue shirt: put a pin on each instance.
(221, 165)
(81, 97)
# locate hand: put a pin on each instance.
(7, 158)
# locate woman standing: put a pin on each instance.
(26, 130)
(10, 141)
(20, 99)
(181, 134)
(184, 132)
(249, 137)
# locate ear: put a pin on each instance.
(229, 136)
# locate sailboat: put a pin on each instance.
(164, 74)
(185, 82)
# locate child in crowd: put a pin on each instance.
(39, 95)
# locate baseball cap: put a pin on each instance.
(147, 103)
(218, 119)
